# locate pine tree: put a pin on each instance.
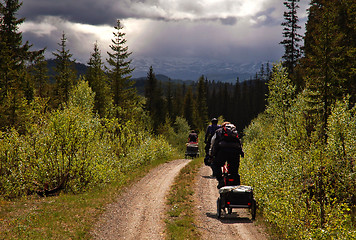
(236, 99)
(155, 103)
(324, 57)
(150, 90)
(65, 73)
(178, 101)
(122, 87)
(201, 104)
(169, 98)
(291, 37)
(189, 108)
(16, 87)
(39, 73)
(98, 82)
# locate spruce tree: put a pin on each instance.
(150, 90)
(65, 73)
(201, 104)
(324, 57)
(291, 37)
(16, 87)
(169, 98)
(236, 99)
(155, 102)
(189, 112)
(98, 82)
(39, 73)
(122, 87)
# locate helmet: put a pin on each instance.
(214, 120)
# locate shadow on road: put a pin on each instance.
(230, 218)
(209, 177)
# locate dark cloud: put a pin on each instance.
(224, 30)
(228, 20)
(81, 11)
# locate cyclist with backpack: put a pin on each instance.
(210, 131)
(193, 136)
(226, 147)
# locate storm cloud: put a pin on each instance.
(223, 30)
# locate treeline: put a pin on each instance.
(301, 151)
(205, 99)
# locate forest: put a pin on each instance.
(70, 132)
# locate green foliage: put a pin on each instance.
(72, 149)
(178, 134)
(280, 96)
(307, 189)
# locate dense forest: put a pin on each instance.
(60, 130)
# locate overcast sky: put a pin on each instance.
(224, 30)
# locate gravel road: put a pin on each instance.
(238, 225)
(140, 210)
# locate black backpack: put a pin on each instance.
(229, 137)
(229, 133)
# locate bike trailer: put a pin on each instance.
(192, 149)
(236, 197)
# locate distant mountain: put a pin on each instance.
(51, 64)
(140, 82)
(181, 69)
(192, 69)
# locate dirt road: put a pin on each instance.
(238, 225)
(139, 212)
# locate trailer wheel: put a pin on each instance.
(229, 210)
(253, 209)
(218, 206)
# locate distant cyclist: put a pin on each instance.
(193, 136)
(210, 131)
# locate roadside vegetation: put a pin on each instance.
(305, 187)
(91, 159)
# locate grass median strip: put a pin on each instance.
(180, 223)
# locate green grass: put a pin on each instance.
(66, 216)
(180, 223)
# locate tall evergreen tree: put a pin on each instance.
(39, 73)
(189, 108)
(122, 87)
(325, 57)
(98, 82)
(178, 101)
(15, 83)
(150, 89)
(201, 104)
(65, 73)
(236, 116)
(291, 37)
(155, 102)
(169, 97)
